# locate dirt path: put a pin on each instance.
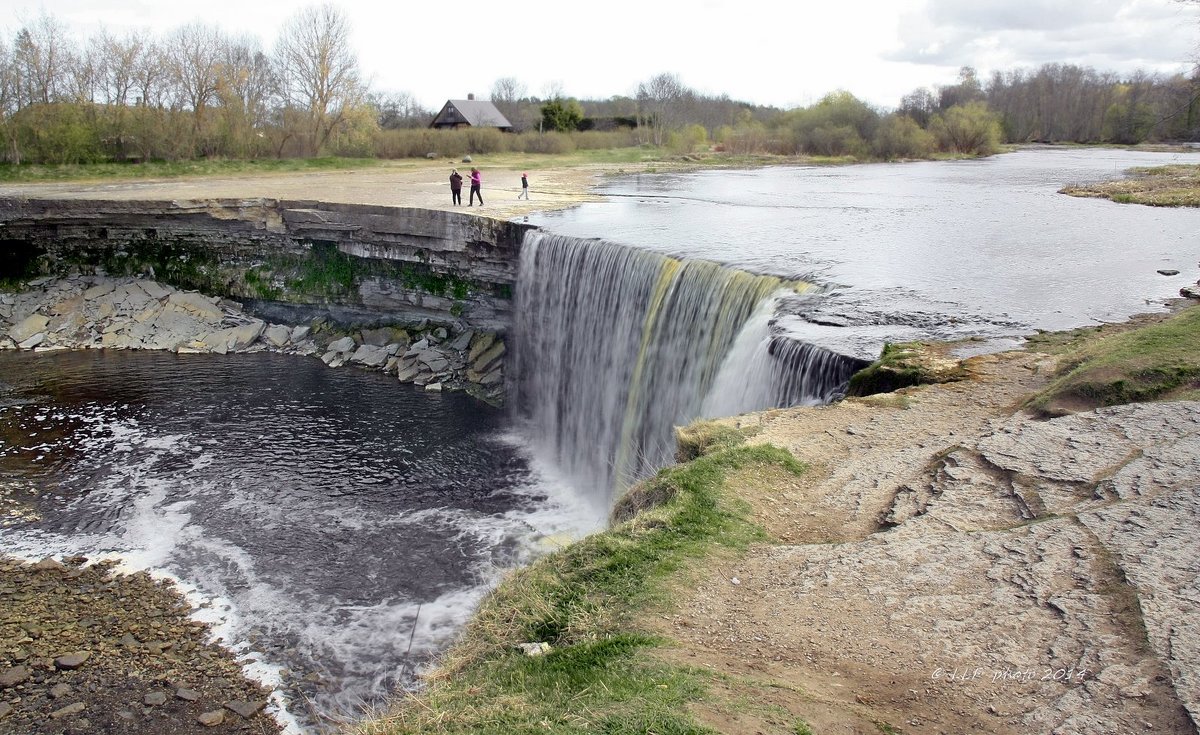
(950, 566)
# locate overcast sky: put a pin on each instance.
(777, 53)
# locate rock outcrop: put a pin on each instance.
(286, 260)
(951, 565)
(94, 312)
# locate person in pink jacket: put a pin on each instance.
(476, 183)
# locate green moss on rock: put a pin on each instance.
(902, 365)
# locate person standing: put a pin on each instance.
(456, 188)
(524, 187)
(476, 185)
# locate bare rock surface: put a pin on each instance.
(951, 564)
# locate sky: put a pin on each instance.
(784, 54)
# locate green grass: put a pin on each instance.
(173, 169)
(1176, 185)
(1156, 362)
(901, 365)
(601, 676)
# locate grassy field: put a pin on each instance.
(601, 674)
(1159, 186)
(1156, 361)
(173, 169)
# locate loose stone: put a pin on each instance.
(68, 711)
(71, 661)
(245, 709)
(14, 676)
(155, 699)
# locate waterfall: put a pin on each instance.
(614, 346)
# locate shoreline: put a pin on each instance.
(939, 564)
(714, 589)
(86, 648)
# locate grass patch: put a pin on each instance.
(902, 365)
(600, 676)
(177, 169)
(1156, 362)
(1176, 185)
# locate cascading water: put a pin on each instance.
(614, 346)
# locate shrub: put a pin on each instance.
(971, 128)
(899, 136)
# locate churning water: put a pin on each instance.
(338, 523)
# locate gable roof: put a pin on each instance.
(476, 113)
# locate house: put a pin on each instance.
(470, 113)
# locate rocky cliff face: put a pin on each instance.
(286, 260)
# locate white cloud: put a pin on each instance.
(1110, 35)
(764, 52)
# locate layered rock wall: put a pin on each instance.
(291, 260)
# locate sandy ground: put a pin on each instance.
(423, 184)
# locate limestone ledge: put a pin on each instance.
(101, 312)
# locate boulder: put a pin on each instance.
(370, 355)
(343, 345)
(196, 304)
(480, 344)
(277, 335)
(33, 341)
(239, 338)
(488, 357)
(462, 341)
(28, 327)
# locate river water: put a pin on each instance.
(333, 522)
(925, 250)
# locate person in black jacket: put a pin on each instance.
(456, 187)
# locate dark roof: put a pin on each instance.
(476, 113)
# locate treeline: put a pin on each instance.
(198, 92)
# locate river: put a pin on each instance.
(332, 522)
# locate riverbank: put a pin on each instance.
(85, 649)
(935, 560)
(1158, 186)
(101, 312)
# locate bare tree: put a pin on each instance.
(244, 86)
(42, 58)
(318, 71)
(150, 77)
(660, 103)
(121, 57)
(193, 55)
(507, 94)
(400, 110)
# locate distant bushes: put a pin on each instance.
(418, 143)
